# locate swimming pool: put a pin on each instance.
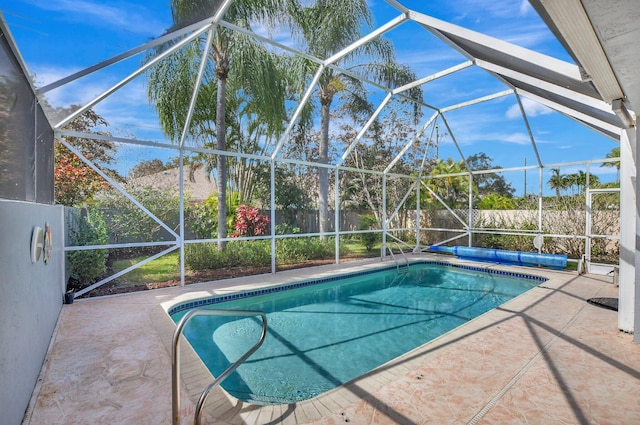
(324, 333)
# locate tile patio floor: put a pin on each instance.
(546, 357)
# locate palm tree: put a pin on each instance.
(237, 62)
(326, 27)
(614, 153)
(579, 180)
(449, 188)
(557, 181)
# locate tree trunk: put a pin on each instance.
(221, 162)
(323, 173)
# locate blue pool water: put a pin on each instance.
(323, 335)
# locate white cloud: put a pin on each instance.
(531, 108)
(89, 87)
(127, 110)
(126, 16)
(514, 21)
(525, 8)
(494, 8)
(530, 36)
(516, 138)
(279, 34)
(76, 93)
(427, 62)
(49, 74)
(511, 138)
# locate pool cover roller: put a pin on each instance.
(555, 261)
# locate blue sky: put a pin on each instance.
(59, 37)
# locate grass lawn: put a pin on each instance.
(161, 269)
(356, 248)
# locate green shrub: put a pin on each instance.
(496, 201)
(128, 223)
(368, 222)
(87, 266)
(507, 242)
(200, 220)
(207, 256)
(298, 250)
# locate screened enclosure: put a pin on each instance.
(237, 141)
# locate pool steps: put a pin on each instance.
(175, 358)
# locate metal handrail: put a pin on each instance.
(406, 259)
(394, 257)
(175, 357)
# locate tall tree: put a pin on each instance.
(150, 166)
(237, 63)
(74, 181)
(488, 183)
(361, 190)
(326, 27)
(557, 181)
(614, 153)
(579, 181)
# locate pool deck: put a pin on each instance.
(545, 357)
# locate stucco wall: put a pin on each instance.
(31, 297)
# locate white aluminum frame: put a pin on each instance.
(438, 28)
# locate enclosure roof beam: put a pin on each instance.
(526, 123)
(321, 62)
(127, 79)
(118, 58)
(330, 64)
(595, 112)
(478, 100)
(380, 86)
(528, 167)
(364, 129)
(433, 77)
(455, 141)
(476, 45)
(515, 76)
(408, 145)
(362, 41)
(398, 6)
(110, 138)
(298, 111)
(196, 87)
(609, 130)
(460, 174)
(222, 10)
(262, 38)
